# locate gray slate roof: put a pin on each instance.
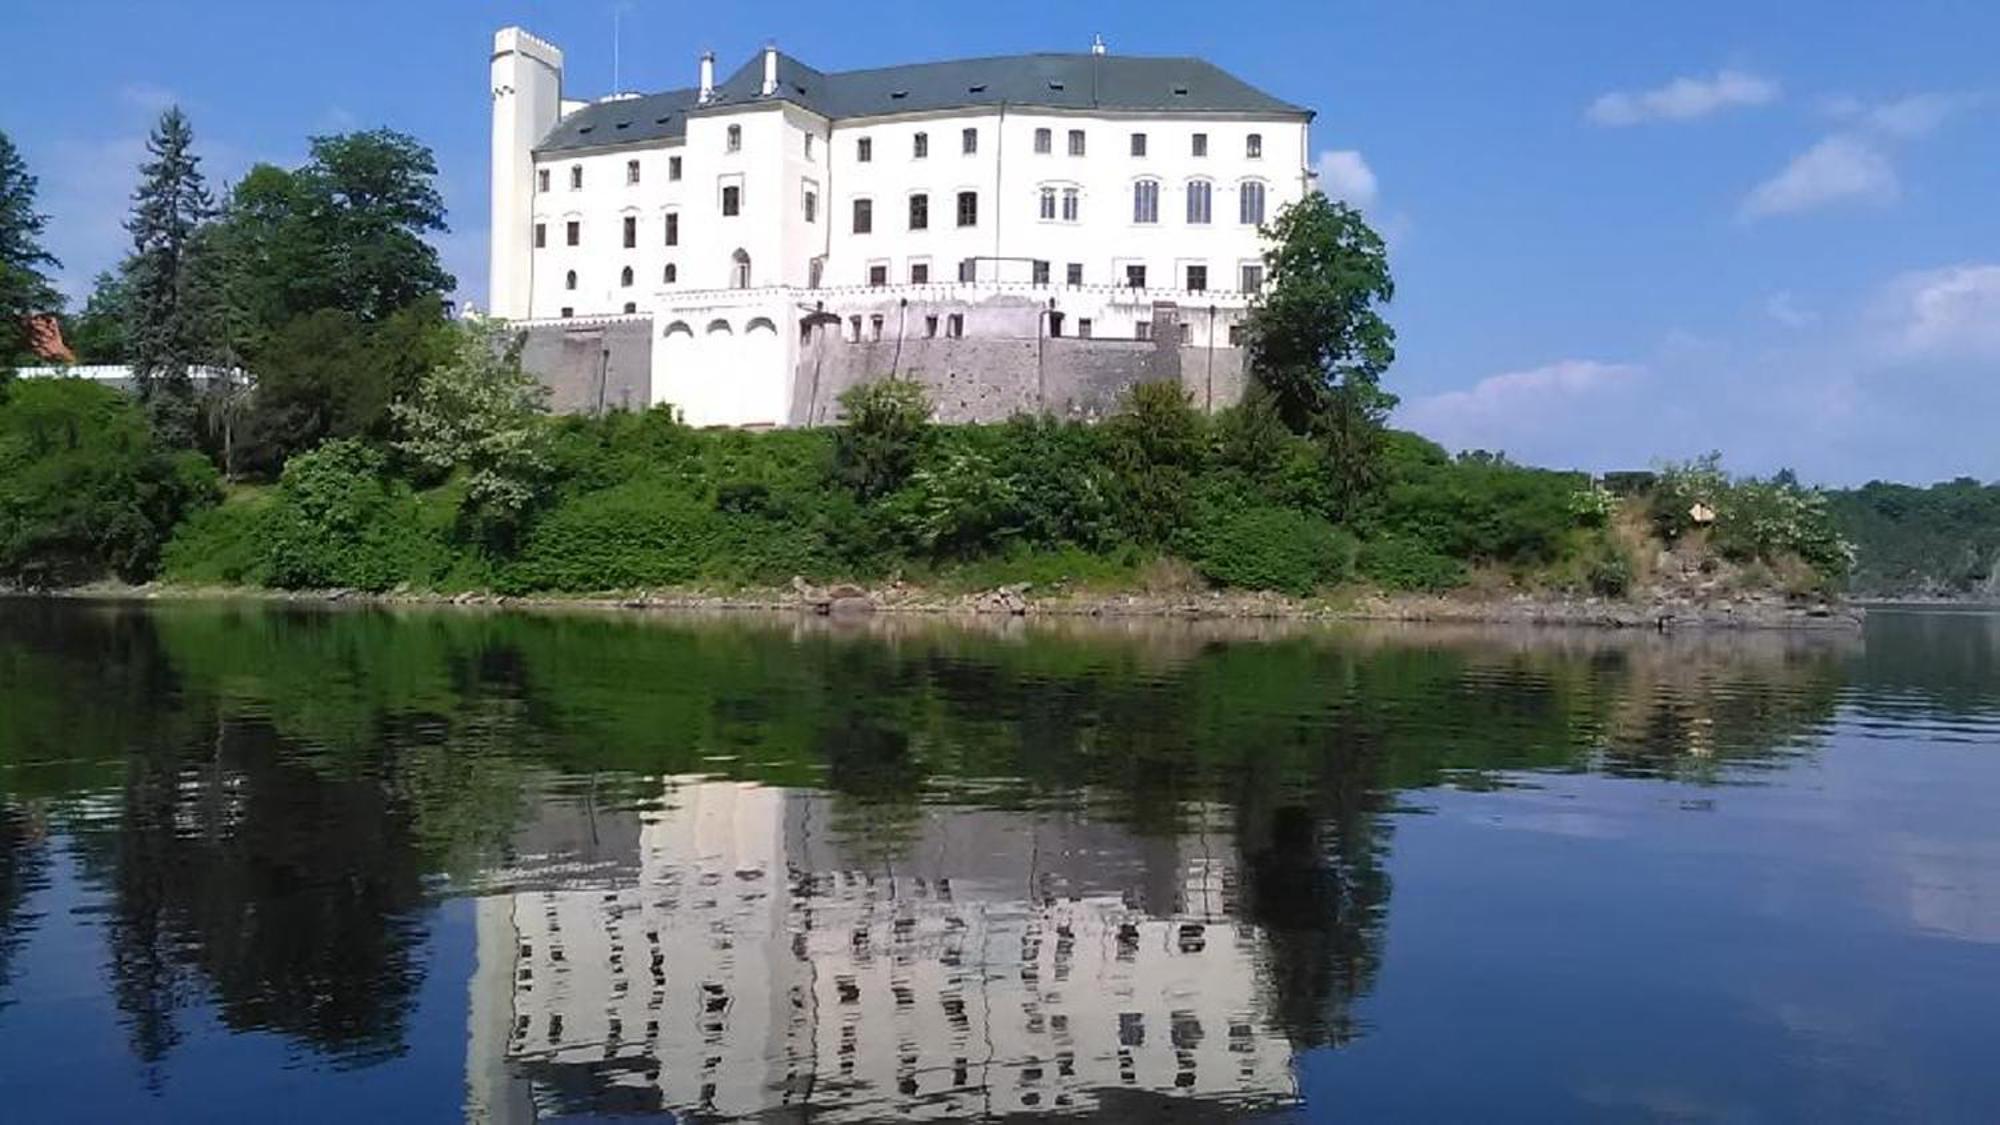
(1046, 81)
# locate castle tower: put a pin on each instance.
(527, 100)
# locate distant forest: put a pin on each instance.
(1941, 541)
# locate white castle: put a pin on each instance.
(1021, 232)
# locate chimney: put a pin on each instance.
(1097, 44)
(770, 69)
(707, 77)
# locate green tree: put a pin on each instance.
(1316, 339)
(24, 283)
(479, 413)
(1155, 445)
(171, 298)
(885, 425)
(100, 333)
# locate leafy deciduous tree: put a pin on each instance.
(479, 412)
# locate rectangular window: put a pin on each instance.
(968, 141)
(541, 235)
(1073, 273)
(734, 141)
(1072, 206)
(1055, 324)
(568, 312)
(968, 208)
(920, 274)
(920, 146)
(1142, 330)
(673, 228)
(1201, 144)
(1138, 144)
(1186, 332)
(1146, 201)
(1197, 279)
(1076, 142)
(930, 326)
(864, 149)
(573, 232)
(966, 267)
(542, 179)
(1135, 277)
(809, 146)
(631, 172)
(1253, 278)
(920, 211)
(1250, 203)
(631, 232)
(1200, 201)
(1041, 272)
(732, 200)
(875, 327)
(1253, 146)
(1236, 335)
(955, 325)
(1083, 328)
(1044, 141)
(878, 275)
(864, 216)
(810, 204)
(673, 167)
(575, 176)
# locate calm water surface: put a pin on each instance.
(263, 862)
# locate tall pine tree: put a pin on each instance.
(172, 293)
(24, 285)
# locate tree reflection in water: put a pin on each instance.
(269, 797)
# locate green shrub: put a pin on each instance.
(1397, 563)
(85, 491)
(226, 545)
(883, 430)
(338, 520)
(1266, 548)
(1155, 446)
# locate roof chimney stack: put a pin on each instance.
(770, 69)
(1097, 44)
(707, 77)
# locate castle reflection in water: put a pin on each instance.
(758, 958)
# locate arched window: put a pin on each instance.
(739, 271)
(625, 278)
(569, 280)
(1048, 203)
(671, 274)
(1200, 202)
(1072, 205)
(1146, 201)
(1250, 203)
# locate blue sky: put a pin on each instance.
(1620, 231)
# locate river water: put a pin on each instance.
(265, 862)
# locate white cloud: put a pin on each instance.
(1949, 313)
(1345, 175)
(1514, 409)
(1683, 99)
(1908, 118)
(1842, 168)
(1786, 310)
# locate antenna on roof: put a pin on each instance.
(1097, 44)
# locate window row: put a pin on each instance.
(1194, 276)
(919, 217)
(1065, 204)
(670, 274)
(1200, 200)
(628, 235)
(631, 174)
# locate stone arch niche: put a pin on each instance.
(675, 364)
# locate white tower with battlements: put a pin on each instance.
(527, 101)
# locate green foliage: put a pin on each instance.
(1758, 520)
(25, 289)
(883, 430)
(1944, 539)
(339, 520)
(478, 413)
(223, 545)
(174, 288)
(640, 535)
(100, 333)
(1484, 511)
(1267, 548)
(1155, 445)
(1316, 329)
(1399, 563)
(85, 491)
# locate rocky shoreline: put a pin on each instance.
(1662, 613)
